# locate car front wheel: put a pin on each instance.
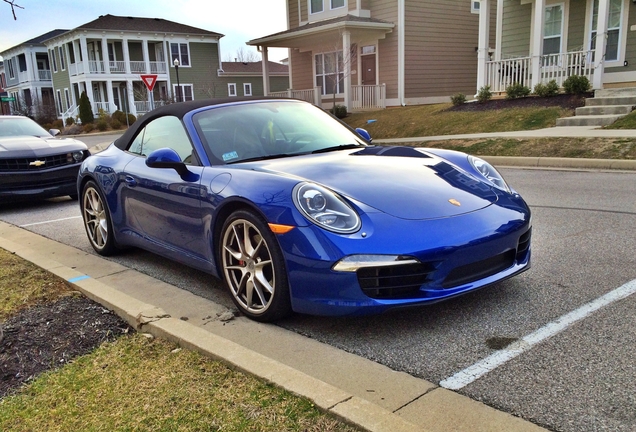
(253, 267)
(97, 220)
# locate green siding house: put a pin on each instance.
(541, 40)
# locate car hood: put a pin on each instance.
(38, 146)
(400, 181)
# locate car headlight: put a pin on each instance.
(75, 157)
(325, 208)
(489, 172)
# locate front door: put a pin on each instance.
(368, 69)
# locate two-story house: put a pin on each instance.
(377, 53)
(246, 78)
(541, 40)
(27, 76)
(107, 57)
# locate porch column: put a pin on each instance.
(265, 71)
(144, 51)
(601, 40)
(109, 92)
(105, 57)
(537, 41)
(84, 51)
(89, 93)
(483, 42)
(347, 58)
(124, 47)
(131, 97)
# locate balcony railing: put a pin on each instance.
(117, 67)
(500, 74)
(310, 95)
(368, 97)
(44, 75)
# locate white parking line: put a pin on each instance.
(481, 368)
(50, 221)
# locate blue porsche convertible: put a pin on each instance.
(296, 211)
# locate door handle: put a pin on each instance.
(130, 181)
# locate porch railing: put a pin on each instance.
(157, 67)
(71, 112)
(500, 74)
(44, 75)
(117, 66)
(368, 97)
(313, 95)
(138, 67)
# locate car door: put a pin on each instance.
(161, 204)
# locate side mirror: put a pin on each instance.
(54, 132)
(364, 134)
(167, 158)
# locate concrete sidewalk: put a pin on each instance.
(541, 162)
(355, 389)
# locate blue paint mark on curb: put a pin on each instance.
(77, 279)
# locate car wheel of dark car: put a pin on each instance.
(253, 267)
(97, 220)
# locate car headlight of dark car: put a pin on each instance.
(76, 156)
(325, 208)
(489, 172)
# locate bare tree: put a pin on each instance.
(13, 6)
(335, 63)
(243, 55)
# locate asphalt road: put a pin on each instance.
(582, 378)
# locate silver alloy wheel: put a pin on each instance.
(248, 266)
(95, 218)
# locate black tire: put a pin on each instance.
(97, 222)
(253, 267)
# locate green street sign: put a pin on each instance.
(7, 99)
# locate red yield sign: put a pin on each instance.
(149, 80)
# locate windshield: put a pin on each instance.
(268, 129)
(13, 127)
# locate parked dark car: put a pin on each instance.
(35, 163)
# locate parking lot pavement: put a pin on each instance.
(358, 390)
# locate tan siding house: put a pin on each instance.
(542, 40)
(377, 53)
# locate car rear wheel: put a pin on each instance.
(97, 220)
(253, 267)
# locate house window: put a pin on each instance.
(180, 51)
(613, 28)
(68, 99)
(474, 7)
(231, 89)
(247, 89)
(71, 53)
(60, 50)
(53, 60)
(60, 109)
(315, 6)
(329, 72)
(552, 29)
(10, 69)
(183, 92)
(335, 4)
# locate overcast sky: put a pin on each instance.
(238, 20)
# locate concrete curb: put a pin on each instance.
(403, 403)
(570, 163)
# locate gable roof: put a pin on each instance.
(349, 22)
(253, 68)
(129, 23)
(39, 39)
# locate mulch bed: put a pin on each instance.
(563, 100)
(48, 336)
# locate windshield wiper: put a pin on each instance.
(338, 147)
(266, 157)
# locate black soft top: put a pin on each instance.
(177, 110)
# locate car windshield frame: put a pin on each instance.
(21, 126)
(269, 129)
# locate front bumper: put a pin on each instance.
(457, 255)
(47, 183)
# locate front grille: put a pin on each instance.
(524, 245)
(25, 164)
(479, 270)
(394, 281)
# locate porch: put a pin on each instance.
(558, 67)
